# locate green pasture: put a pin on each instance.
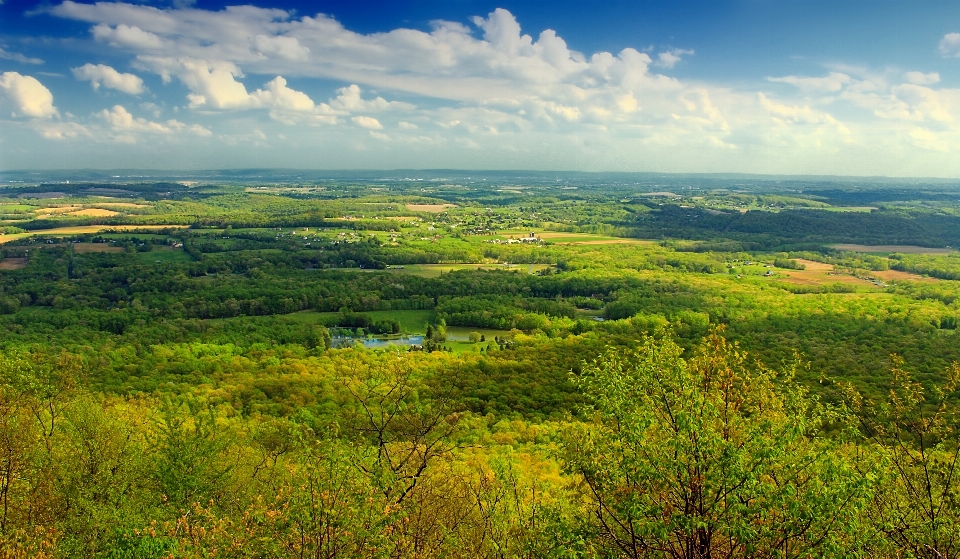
(164, 255)
(17, 208)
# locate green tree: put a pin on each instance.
(914, 433)
(706, 458)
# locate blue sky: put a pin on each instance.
(759, 86)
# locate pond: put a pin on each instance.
(374, 343)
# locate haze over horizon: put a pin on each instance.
(753, 87)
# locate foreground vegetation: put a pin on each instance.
(184, 373)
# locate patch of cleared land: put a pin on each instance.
(123, 205)
(85, 229)
(44, 212)
(817, 273)
(609, 242)
(93, 212)
(13, 263)
(847, 208)
(40, 195)
(96, 247)
(578, 238)
(430, 208)
(906, 249)
(897, 275)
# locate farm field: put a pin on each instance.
(96, 247)
(883, 249)
(430, 208)
(13, 263)
(818, 273)
(83, 230)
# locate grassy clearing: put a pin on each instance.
(93, 212)
(897, 275)
(887, 249)
(861, 209)
(462, 333)
(560, 237)
(430, 208)
(13, 263)
(163, 255)
(126, 236)
(85, 230)
(122, 205)
(411, 322)
(96, 247)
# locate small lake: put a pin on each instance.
(374, 343)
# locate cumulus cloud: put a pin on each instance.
(919, 78)
(108, 77)
(18, 57)
(491, 84)
(950, 45)
(62, 130)
(29, 97)
(367, 122)
(349, 99)
(669, 59)
(214, 85)
(448, 62)
(283, 47)
(129, 36)
(794, 114)
(833, 82)
(121, 121)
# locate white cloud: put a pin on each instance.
(18, 57)
(669, 59)
(367, 122)
(792, 114)
(29, 97)
(919, 78)
(348, 99)
(950, 45)
(214, 85)
(62, 130)
(283, 47)
(126, 126)
(830, 83)
(108, 77)
(488, 84)
(129, 36)
(928, 140)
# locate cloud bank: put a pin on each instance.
(487, 87)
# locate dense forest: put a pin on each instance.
(374, 368)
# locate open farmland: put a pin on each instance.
(880, 249)
(96, 247)
(13, 263)
(84, 230)
(430, 208)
